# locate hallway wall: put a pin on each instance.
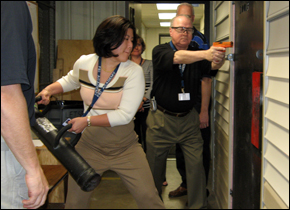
(275, 182)
(222, 131)
(275, 139)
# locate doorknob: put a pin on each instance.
(230, 57)
(259, 54)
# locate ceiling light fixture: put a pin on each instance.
(167, 6)
(166, 16)
(164, 24)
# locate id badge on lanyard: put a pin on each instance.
(183, 96)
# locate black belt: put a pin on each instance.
(182, 114)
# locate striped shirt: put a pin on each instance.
(121, 98)
(148, 75)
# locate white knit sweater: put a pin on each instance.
(121, 98)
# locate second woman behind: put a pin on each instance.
(141, 115)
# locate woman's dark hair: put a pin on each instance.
(142, 42)
(110, 35)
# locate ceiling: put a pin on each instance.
(150, 15)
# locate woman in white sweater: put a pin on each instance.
(109, 141)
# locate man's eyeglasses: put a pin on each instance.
(181, 30)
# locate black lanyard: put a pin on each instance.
(181, 68)
(97, 91)
(141, 62)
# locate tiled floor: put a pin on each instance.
(112, 194)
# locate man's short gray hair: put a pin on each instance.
(173, 19)
(186, 4)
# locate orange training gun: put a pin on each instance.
(223, 44)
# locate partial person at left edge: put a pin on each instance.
(23, 184)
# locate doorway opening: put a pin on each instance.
(145, 17)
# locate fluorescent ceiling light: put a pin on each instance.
(166, 16)
(167, 6)
(164, 24)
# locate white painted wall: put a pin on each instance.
(152, 40)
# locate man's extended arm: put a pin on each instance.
(214, 55)
(16, 132)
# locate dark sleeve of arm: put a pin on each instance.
(213, 73)
(162, 57)
(14, 23)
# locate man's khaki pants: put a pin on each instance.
(164, 131)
